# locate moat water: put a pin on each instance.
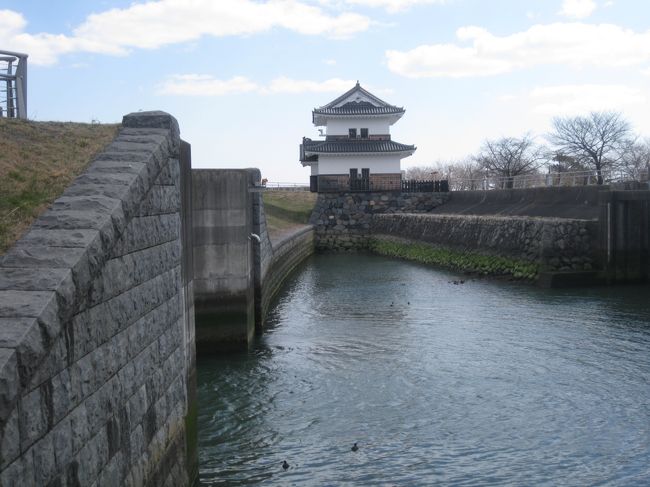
(480, 383)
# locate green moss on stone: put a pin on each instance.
(489, 265)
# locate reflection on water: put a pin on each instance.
(484, 383)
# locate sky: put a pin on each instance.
(242, 76)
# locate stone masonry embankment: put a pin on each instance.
(96, 328)
(555, 244)
(342, 221)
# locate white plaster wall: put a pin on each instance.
(375, 126)
(314, 169)
(389, 163)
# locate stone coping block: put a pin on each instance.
(45, 276)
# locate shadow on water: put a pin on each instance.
(485, 383)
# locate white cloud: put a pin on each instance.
(288, 85)
(393, 5)
(329, 62)
(155, 24)
(11, 23)
(576, 99)
(577, 9)
(570, 44)
(646, 71)
(207, 85)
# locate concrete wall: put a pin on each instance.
(223, 261)
(625, 235)
(579, 202)
(96, 328)
(278, 260)
(235, 276)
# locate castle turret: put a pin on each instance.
(357, 153)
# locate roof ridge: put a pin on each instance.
(354, 89)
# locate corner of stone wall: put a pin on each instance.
(342, 221)
(72, 294)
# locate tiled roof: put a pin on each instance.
(354, 145)
(377, 106)
(362, 108)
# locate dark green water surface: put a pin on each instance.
(481, 383)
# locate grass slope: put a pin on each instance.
(38, 160)
(287, 209)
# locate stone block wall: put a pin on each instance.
(342, 220)
(556, 244)
(96, 325)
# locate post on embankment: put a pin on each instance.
(224, 273)
(624, 235)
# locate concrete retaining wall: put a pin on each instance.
(625, 235)
(556, 244)
(287, 253)
(236, 275)
(96, 326)
(578, 202)
(222, 211)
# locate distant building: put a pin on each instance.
(357, 153)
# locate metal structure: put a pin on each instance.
(13, 84)
(574, 178)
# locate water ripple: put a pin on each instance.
(486, 383)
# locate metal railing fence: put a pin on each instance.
(282, 186)
(13, 84)
(572, 178)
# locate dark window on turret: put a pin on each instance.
(364, 133)
(353, 133)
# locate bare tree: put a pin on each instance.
(422, 172)
(559, 163)
(465, 174)
(461, 174)
(508, 157)
(596, 140)
(636, 159)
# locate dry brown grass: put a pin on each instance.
(286, 210)
(37, 161)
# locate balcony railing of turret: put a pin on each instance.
(325, 184)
